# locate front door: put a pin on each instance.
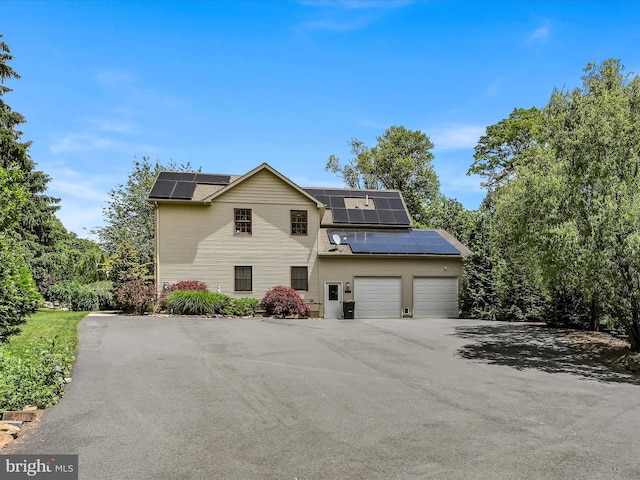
(332, 299)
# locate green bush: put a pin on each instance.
(77, 298)
(34, 375)
(104, 291)
(32, 366)
(221, 302)
(242, 307)
(191, 302)
(183, 285)
(19, 296)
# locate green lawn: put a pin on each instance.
(46, 325)
(34, 364)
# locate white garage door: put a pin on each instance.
(377, 297)
(435, 297)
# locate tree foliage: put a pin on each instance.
(450, 215)
(567, 202)
(18, 186)
(19, 296)
(128, 216)
(401, 160)
(506, 145)
(126, 265)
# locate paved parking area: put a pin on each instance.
(194, 398)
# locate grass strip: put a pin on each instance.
(34, 364)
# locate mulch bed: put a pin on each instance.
(606, 348)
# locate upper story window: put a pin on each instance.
(298, 222)
(243, 220)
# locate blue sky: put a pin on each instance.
(229, 85)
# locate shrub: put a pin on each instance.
(191, 302)
(32, 365)
(136, 297)
(282, 301)
(104, 291)
(195, 285)
(84, 300)
(241, 306)
(75, 297)
(19, 296)
(221, 302)
(35, 376)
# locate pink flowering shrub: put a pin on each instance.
(283, 301)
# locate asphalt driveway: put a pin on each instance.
(194, 398)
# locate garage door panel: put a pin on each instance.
(377, 297)
(435, 297)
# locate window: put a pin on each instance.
(299, 278)
(334, 292)
(243, 279)
(298, 222)
(243, 220)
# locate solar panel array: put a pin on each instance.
(389, 208)
(182, 185)
(397, 242)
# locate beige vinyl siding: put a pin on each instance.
(199, 242)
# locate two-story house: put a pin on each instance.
(244, 234)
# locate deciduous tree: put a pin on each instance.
(128, 216)
(575, 208)
(401, 160)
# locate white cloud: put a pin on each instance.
(116, 126)
(340, 15)
(75, 143)
(455, 136)
(540, 34)
(82, 196)
(80, 219)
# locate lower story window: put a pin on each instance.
(243, 278)
(299, 278)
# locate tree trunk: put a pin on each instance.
(594, 314)
(634, 336)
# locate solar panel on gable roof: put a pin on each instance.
(386, 217)
(162, 189)
(400, 217)
(382, 203)
(336, 202)
(183, 176)
(395, 204)
(371, 216)
(340, 215)
(212, 179)
(184, 190)
(355, 215)
(322, 199)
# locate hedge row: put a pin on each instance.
(196, 302)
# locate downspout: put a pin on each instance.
(157, 245)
